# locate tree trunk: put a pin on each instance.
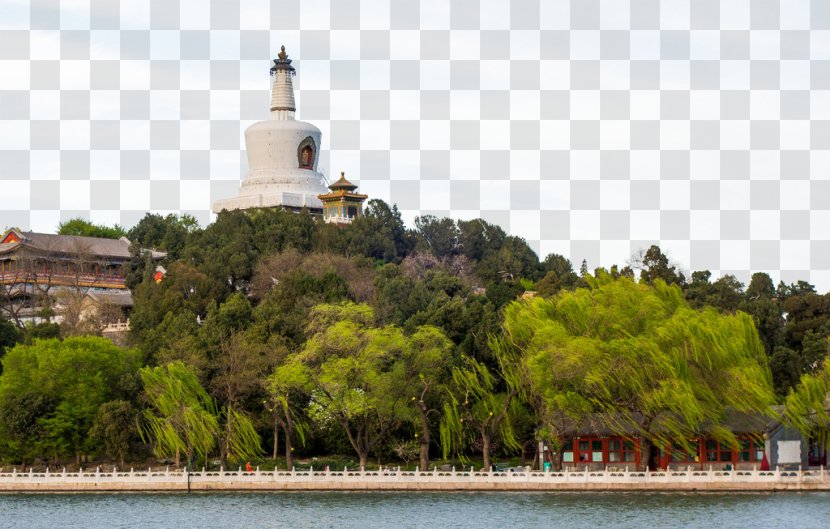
(289, 450)
(224, 446)
(425, 439)
(288, 427)
(485, 451)
(424, 455)
(276, 440)
(358, 442)
(648, 457)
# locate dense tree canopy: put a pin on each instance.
(51, 391)
(640, 357)
(808, 407)
(384, 340)
(360, 377)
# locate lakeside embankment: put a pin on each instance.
(393, 480)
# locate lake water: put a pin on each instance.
(298, 510)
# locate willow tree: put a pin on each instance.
(478, 408)
(638, 358)
(345, 369)
(239, 367)
(286, 387)
(424, 371)
(181, 416)
(807, 407)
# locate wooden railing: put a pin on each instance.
(60, 279)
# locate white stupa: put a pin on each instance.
(282, 154)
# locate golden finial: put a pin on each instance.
(282, 55)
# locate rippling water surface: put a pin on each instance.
(416, 510)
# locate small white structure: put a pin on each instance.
(282, 154)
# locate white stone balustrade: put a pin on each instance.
(394, 479)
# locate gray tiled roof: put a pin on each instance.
(73, 244)
(120, 298)
(96, 246)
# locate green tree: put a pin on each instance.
(439, 236)
(654, 264)
(815, 348)
(478, 407)
(239, 368)
(40, 331)
(169, 234)
(787, 368)
(698, 289)
(806, 311)
(287, 389)
(177, 338)
(477, 238)
(807, 408)
(379, 234)
(9, 335)
(424, 371)
(226, 251)
(115, 428)
(70, 380)
(181, 417)
(20, 427)
(167, 311)
(558, 274)
(347, 368)
(85, 228)
(513, 260)
(284, 309)
(799, 288)
(727, 293)
(503, 292)
(640, 358)
(761, 302)
(760, 286)
(398, 296)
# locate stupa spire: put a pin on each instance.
(282, 89)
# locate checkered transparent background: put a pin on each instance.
(592, 128)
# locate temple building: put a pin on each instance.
(761, 441)
(282, 154)
(41, 272)
(342, 205)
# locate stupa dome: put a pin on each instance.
(282, 154)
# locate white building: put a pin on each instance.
(282, 154)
